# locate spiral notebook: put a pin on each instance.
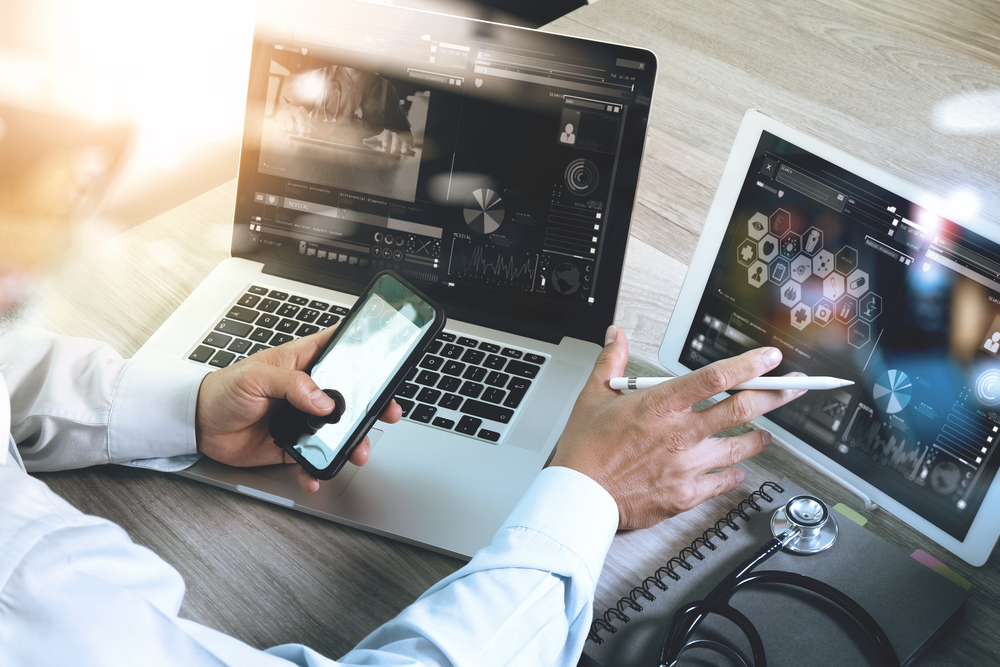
(912, 602)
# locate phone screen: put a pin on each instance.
(366, 353)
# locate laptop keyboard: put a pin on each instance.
(471, 386)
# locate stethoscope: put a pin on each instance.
(804, 526)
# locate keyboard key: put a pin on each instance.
(287, 326)
(407, 390)
(307, 330)
(468, 425)
(446, 337)
(202, 353)
(495, 362)
(423, 413)
(487, 411)
(258, 348)
(275, 294)
(240, 346)
(222, 359)
(452, 351)
(239, 359)
(431, 362)
(340, 310)
(489, 347)
(217, 340)
(249, 300)
(298, 300)
(242, 314)
(434, 346)
(474, 373)
(473, 356)
(534, 358)
(493, 395)
(281, 339)
(511, 352)
(428, 378)
(267, 321)
(307, 315)
(515, 367)
(496, 379)
(318, 305)
(468, 342)
(516, 390)
(428, 395)
(450, 402)
(486, 434)
(405, 404)
(254, 289)
(327, 320)
(449, 383)
(410, 374)
(441, 422)
(234, 327)
(452, 368)
(471, 389)
(268, 305)
(288, 310)
(261, 335)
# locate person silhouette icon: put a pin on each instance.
(993, 342)
(568, 137)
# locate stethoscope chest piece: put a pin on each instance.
(813, 518)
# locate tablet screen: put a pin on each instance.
(850, 280)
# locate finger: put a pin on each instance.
(720, 453)
(360, 455)
(392, 413)
(266, 381)
(395, 143)
(308, 483)
(715, 378)
(296, 354)
(716, 483)
(610, 363)
(743, 407)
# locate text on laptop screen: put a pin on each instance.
(473, 163)
(850, 280)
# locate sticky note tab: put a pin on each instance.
(939, 567)
(850, 514)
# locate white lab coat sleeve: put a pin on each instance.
(76, 402)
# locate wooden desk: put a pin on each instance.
(884, 81)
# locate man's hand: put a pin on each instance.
(235, 405)
(650, 450)
(388, 141)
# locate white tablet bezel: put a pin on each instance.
(985, 529)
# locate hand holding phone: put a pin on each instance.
(381, 339)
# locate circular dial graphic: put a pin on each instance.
(988, 387)
(582, 177)
(892, 392)
(484, 212)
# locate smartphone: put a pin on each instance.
(380, 340)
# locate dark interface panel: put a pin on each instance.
(850, 280)
(473, 164)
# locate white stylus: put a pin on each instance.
(795, 382)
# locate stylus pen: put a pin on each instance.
(797, 382)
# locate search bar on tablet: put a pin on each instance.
(811, 188)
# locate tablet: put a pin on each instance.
(850, 273)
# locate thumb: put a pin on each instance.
(294, 386)
(610, 362)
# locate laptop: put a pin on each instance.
(853, 273)
(495, 168)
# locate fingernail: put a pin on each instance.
(772, 356)
(740, 476)
(611, 336)
(321, 400)
(765, 437)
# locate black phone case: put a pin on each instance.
(288, 423)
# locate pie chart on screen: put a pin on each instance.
(892, 391)
(484, 212)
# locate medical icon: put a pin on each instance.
(823, 312)
(847, 310)
(857, 283)
(847, 260)
(779, 271)
(791, 243)
(859, 333)
(870, 306)
(757, 226)
(791, 293)
(833, 286)
(747, 253)
(757, 273)
(801, 316)
(781, 222)
(767, 248)
(801, 268)
(813, 241)
(822, 263)
(992, 343)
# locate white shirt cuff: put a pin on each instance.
(153, 414)
(584, 518)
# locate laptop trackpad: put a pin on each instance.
(338, 484)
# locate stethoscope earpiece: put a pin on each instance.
(817, 528)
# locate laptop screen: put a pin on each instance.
(851, 280)
(494, 167)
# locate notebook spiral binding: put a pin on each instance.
(631, 601)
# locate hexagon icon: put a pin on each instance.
(846, 310)
(823, 312)
(847, 260)
(791, 243)
(779, 271)
(812, 241)
(857, 283)
(870, 306)
(767, 248)
(823, 263)
(757, 226)
(781, 222)
(746, 254)
(801, 316)
(834, 286)
(801, 268)
(859, 333)
(791, 293)
(757, 273)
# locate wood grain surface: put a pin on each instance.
(870, 77)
